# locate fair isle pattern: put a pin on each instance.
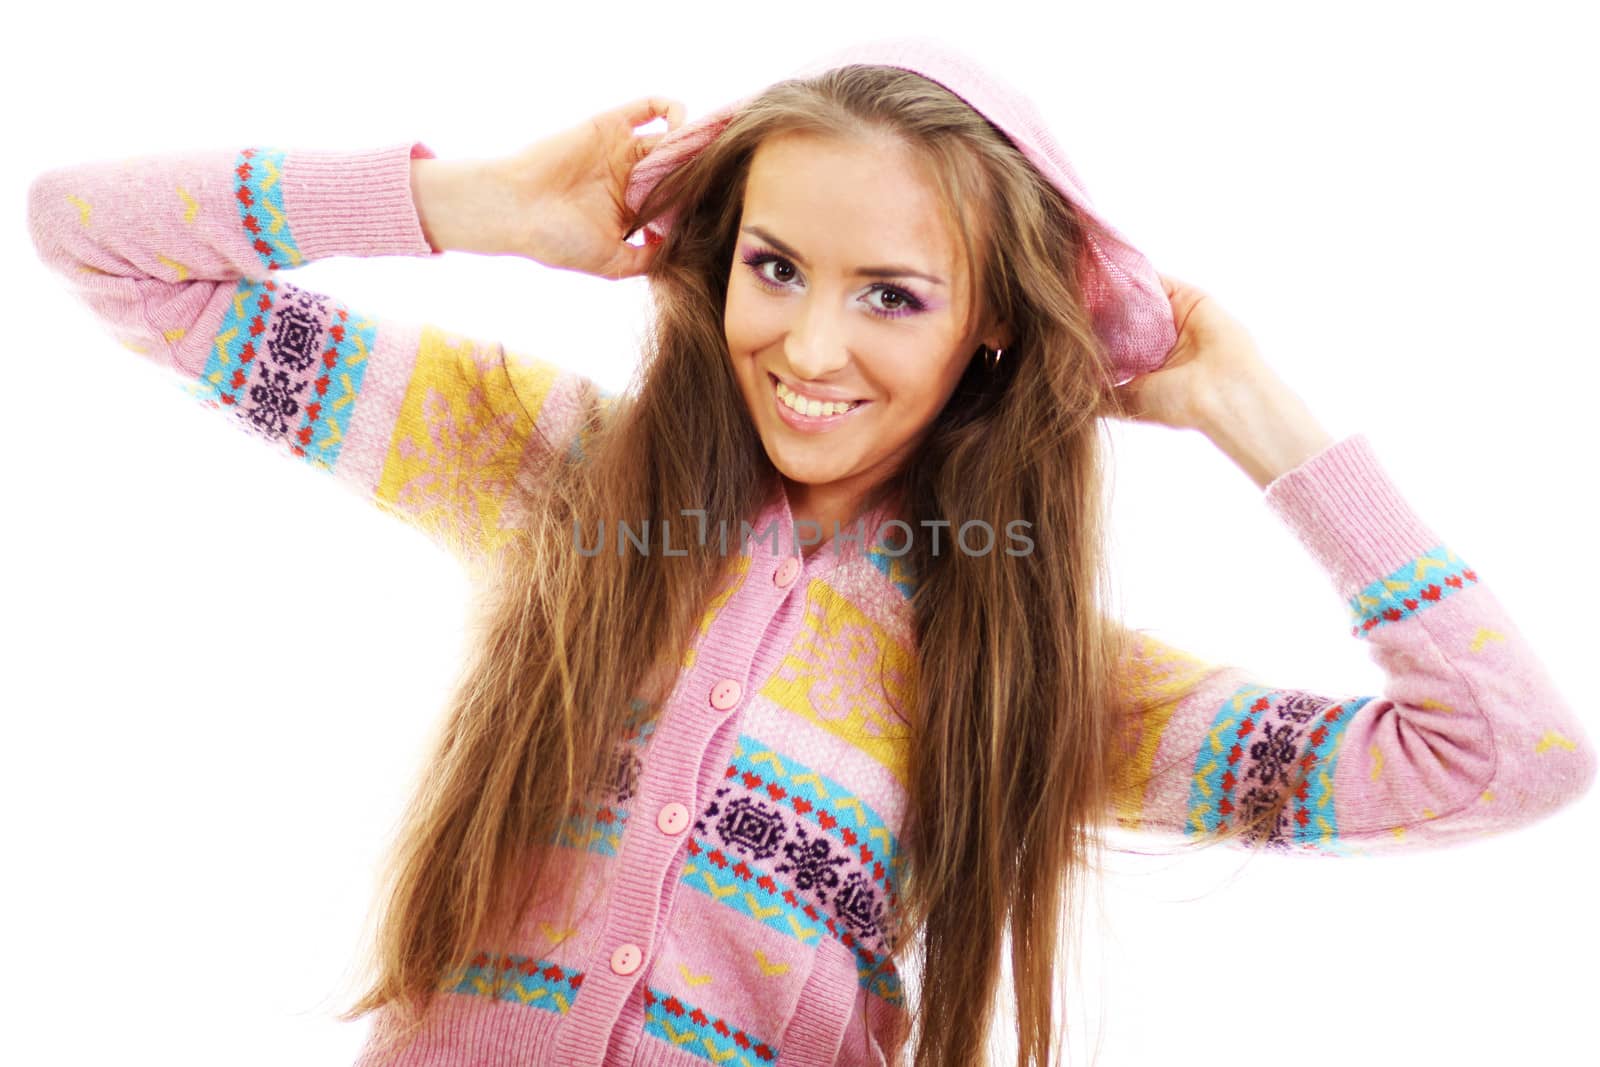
(894, 568)
(733, 883)
(1316, 822)
(603, 831)
(259, 196)
(847, 674)
(1419, 584)
(522, 980)
(684, 1026)
(643, 725)
(875, 594)
(1153, 678)
(825, 802)
(799, 851)
(289, 363)
(457, 448)
(1248, 756)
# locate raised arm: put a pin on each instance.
(1468, 738)
(183, 259)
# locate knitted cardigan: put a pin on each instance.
(751, 852)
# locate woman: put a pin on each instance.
(709, 784)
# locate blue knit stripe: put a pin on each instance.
(691, 1029)
(894, 568)
(1320, 828)
(533, 983)
(258, 194)
(1420, 583)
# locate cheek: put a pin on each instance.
(744, 337)
(740, 325)
(910, 374)
(747, 322)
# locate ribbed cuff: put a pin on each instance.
(1349, 514)
(354, 203)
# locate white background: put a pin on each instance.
(221, 667)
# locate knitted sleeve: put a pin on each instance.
(182, 259)
(1469, 738)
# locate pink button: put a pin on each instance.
(725, 694)
(626, 959)
(672, 819)
(784, 576)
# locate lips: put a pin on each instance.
(776, 381)
(810, 424)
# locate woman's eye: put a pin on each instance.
(898, 301)
(760, 261)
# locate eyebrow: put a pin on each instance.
(864, 272)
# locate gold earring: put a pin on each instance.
(991, 356)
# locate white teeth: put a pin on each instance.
(813, 408)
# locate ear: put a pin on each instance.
(998, 335)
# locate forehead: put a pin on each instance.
(846, 202)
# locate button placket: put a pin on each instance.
(722, 665)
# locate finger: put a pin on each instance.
(638, 112)
(1178, 289)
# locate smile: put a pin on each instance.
(803, 414)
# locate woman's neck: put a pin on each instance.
(815, 515)
(814, 512)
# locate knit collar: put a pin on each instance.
(776, 515)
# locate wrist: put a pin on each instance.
(458, 205)
(1261, 424)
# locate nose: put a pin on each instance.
(816, 344)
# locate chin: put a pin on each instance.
(806, 473)
(806, 466)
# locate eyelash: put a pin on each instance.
(910, 304)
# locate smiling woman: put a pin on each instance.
(844, 376)
(763, 805)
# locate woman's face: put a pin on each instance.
(846, 285)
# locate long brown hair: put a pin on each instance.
(1016, 737)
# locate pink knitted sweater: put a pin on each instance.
(752, 850)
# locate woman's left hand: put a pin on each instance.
(1213, 353)
(1215, 381)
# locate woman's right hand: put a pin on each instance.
(560, 201)
(573, 186)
